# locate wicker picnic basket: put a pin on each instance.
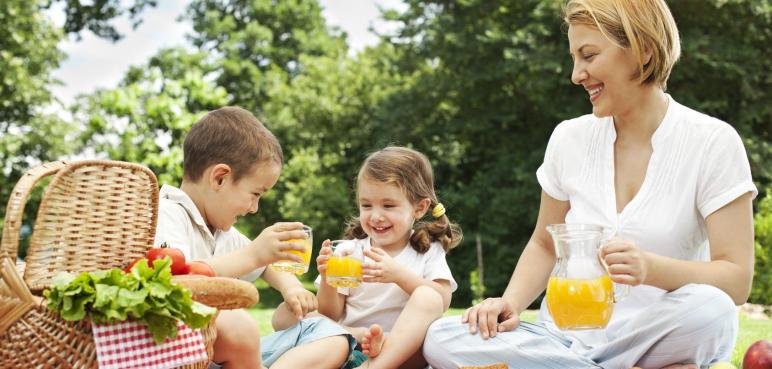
(94, 215)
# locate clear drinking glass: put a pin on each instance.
(294, 266)
(344, 268)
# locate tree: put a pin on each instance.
(146, 117)
(250, 48)
(490, 84)
(725, 70)
(260, 42)
(29, 132)
(96, 15)
(28, 54)
(490, 80)
(476, 85)
(326, 119)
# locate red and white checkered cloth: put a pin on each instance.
(129, 345)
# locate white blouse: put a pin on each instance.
(698, 165)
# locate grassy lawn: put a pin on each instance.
(751, 330)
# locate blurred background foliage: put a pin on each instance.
(477, 85)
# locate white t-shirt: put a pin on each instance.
(381, 303)
(698, 165)
(180, 225)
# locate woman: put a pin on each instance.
(675, 186)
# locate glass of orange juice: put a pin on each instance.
(294, 266)
(344, 268)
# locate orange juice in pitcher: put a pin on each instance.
(580, 303)
(580, 293)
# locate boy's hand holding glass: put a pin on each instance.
(383, 269)
(300, 300)
(296, 251)
(271, 246)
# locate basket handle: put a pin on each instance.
(13, 214)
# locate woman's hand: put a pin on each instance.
(487, 315)
(626, 262)
(383, 269)
(324, 256)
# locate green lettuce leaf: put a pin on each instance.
(145, 294)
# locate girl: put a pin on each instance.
(668, 180)
(407, 281)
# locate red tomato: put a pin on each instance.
(128, 268)
(200, 268)
(178, 258)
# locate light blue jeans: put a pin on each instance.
(306, 331)
(696, 323)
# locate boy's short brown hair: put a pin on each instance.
(232, 136)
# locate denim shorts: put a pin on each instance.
(306, 331)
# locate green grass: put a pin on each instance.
(751, 330)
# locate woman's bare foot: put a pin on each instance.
(373, 341)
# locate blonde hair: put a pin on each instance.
(411, 171)
(640, 25)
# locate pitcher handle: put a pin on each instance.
(620, 290)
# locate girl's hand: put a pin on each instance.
(626, 262)
(487, 315)
(324, 256)
(383, 269)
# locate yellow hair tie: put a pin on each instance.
(438, 211)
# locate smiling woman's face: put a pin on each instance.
(606, 71)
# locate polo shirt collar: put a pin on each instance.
(180, 197)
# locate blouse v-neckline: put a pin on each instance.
(650, 177)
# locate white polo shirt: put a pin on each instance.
(381, 303)
(180, 225)
(698, 165)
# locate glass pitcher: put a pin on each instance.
(580, 293)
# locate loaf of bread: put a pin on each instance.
(219, 292)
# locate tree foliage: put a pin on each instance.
(260, 42)
(28, 54)
(146, 117)
(476, 85)
(762, 274)
(497, 82)
(96, 15)
(29, 132)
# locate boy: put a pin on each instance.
(230, 161)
